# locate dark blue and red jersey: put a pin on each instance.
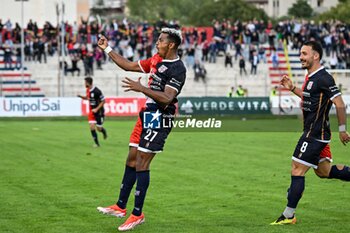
(171, 73)
(319, 90)
(95, 97)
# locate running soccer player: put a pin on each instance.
(167, 77)
(96, 110)
(317, 95)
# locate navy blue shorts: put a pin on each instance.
(308, 151)
(156, 126)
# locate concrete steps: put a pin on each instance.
(218, 82)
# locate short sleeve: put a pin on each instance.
(329, 87)
(100, 96)
(177, 81)
(145, 65)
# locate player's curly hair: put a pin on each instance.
(173, 35)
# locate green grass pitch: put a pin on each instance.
(52, 180)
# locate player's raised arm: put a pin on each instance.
(341, 114)
(286, 82)
(122, 62)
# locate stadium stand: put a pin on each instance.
(12, 85)
(41, 71)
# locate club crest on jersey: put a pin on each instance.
(162, 69)
(309, 85)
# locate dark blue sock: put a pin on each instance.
(104, 132)
(94, 136)
(143, 178)
(296, 190)
(343, 174)
(128, 182)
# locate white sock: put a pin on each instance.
(289, 212)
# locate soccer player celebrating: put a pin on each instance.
(317, 95)
(96, 113)
(167, 77)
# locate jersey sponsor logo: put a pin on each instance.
(309, 85)
(307, 102)
(156, 77)
(176, 82)
(306, 94)
(162, 69)
(155, 87)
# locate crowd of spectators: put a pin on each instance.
(246, 38)
(244, 42)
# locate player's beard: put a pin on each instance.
(307, 64)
